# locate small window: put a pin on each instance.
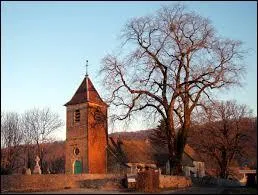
(76, 151)
(77, 115)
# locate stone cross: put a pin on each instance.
(37, 159)
(37, 169)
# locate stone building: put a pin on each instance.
(86, 131)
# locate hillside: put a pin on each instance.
(142, 134)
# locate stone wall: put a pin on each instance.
(167, 181)
(23, 183)
(18, 183)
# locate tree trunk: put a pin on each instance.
(171, 156)
(223, 172)
(177, 163)
(179, 144)
(28, 158)
(170, 139)
(223, 167)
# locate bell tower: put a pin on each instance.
(86, 131)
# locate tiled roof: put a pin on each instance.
(138, 151)
(86, 93)
(142, 151)
(192, 153)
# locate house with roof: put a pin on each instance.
(131, 155)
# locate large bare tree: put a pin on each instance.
(168, 64)
(11, 139)
(40, 125)
(223, 134)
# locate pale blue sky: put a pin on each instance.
(44, 46)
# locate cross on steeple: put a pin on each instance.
(86, 68)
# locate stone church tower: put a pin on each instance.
(86, 131)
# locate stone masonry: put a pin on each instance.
(86, 135)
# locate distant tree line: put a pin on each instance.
(25, 136)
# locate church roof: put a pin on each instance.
(192, 153)
(86, 93)
(143, 151)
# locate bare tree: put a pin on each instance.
(250, 153)
(11, 140)
(224, 134)
(39, 125)
(174, 61)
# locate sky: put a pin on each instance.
(44, 46)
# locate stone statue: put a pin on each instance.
(37, 169)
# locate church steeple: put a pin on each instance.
(86, 130)
(86, 92)
(87, 83)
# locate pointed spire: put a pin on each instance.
(86, 92)
(87, 85)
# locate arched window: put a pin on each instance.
(76, 151)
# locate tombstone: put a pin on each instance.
(48, 171)
(28, 171)
(37, 169)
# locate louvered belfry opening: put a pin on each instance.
(77, 116)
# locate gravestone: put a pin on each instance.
(28, 171)
(37, 169)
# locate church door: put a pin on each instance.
(77, 167)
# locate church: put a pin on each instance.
(89, 148)
(86, 131)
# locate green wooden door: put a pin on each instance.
(77, 167)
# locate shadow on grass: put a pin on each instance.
(240, 190)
